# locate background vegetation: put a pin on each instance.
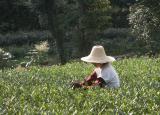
(72, 27)
(38, 35)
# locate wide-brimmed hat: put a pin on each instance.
(98, 55)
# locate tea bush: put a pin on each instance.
(46, 90)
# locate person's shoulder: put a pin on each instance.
(108, 67)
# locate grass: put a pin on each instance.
(46, 90)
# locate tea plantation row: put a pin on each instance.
(46, 90)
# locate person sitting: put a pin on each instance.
(104, 74)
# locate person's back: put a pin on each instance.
(110, 76)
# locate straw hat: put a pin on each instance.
(98, 55)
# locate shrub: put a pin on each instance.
(4, 58)
(18, 51)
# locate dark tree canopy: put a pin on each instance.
(15, 15)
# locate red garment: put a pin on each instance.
(92, 80)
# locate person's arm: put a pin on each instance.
(88, 80)
(99, 82)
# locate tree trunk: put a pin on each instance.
(53, 26)
(85, 42)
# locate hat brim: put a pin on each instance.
(98, 60)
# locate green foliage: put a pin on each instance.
(47, 90)
(119, 12)
(4, 58)
(18, 52)
(143, 21)
(153, 5)
(71, 21)
(75, 25)
(93, 15)
(86, 18)
(22, 38)
(145, 25)
(15, 15)
(114, 39)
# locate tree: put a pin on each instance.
(145, 23)
(15, 15)
(76, 21)
(153, 5)
(89, 17)
(119, 12)
(51, 9)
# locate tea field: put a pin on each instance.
(46, 90)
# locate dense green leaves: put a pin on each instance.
(144, 19)
(15, 15)
(47, 90)
(86, 18)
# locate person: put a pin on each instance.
(104, 74)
